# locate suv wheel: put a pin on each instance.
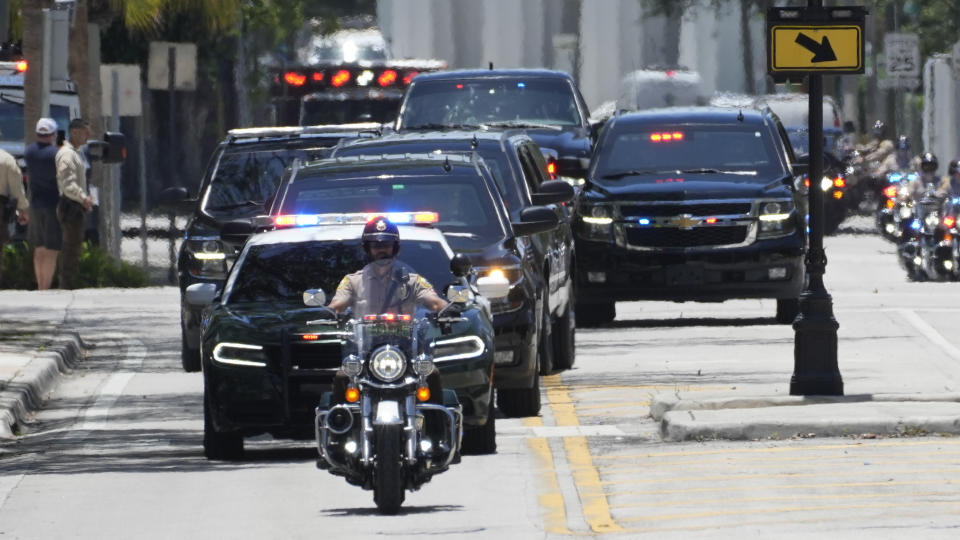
(545, 339)
(564, 336)
(520, 402)
(189, 358)
(787, 310)
(596, 314)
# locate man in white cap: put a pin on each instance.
(44, 231)
(75, 200)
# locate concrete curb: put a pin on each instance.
(825, 419)
(27, 391)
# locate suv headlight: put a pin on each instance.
(207, 258)
(388, 363)
(597, 222)
(776, 219)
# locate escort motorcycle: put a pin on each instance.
(894, 212)
(929, 251)
(389, 432)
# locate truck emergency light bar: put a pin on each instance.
(310, 220)
(395, 74)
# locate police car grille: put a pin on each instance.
(315, 356)
(673, 237)
(701, 209)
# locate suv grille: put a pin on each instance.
(699, 236)
(704, 209)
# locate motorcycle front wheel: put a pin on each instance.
(388, 488)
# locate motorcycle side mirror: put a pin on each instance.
(460, 265)
(493, 287)
(201, 294)
(314, 298)
(459, 294)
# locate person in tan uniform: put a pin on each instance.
(11, 189)
(75, 201)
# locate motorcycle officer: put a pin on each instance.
(928, 176)
(879, 148)
(385, 285)
(950, 184)
(899, 160)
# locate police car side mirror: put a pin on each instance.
(535, 219)
(201, 294)
(460, 265)
(553, 192)
(314, 298)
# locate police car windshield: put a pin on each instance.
(462, 201)
(513, 100)
(246, 178)
(281, 272)
(698, 149)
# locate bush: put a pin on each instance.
(97, 269)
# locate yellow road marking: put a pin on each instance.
(552, 501)
(778, 449)
(730, 477)
(614, 404)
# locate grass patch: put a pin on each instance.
(96, 269)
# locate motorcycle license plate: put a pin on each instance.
(388, 412)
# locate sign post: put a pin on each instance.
(809, 42)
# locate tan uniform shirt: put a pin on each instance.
(365, 292)
(71, 173)
(11, 181)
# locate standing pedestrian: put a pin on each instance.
(12, 199)
(44, 231)
(75, 200)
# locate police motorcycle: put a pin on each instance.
(894, 211)
(929, 249)
(389, 433)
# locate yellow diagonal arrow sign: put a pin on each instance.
(816, 48)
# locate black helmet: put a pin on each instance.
(903, 143)
(954, 167)
(928, 162)
(878, 129)
(380, 229)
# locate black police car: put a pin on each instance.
(268, 356)
(241, 179)
(545, 103)
(520, 173)
(456, 194)
(690, 204)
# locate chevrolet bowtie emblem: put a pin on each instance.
(686, 221)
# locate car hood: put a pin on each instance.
(568, 142)
(690, 187)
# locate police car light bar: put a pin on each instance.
(310, 220)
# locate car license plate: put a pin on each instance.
(388, 412)
(682, 274)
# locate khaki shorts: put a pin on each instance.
(44, 229)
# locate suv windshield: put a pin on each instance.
(247, 178)
(281, 272)
(693, 149)
(345, 111)
(511, 100)
(462, 201)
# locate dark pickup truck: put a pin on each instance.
(690, 204)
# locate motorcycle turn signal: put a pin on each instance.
(352, 395)
(423, 393)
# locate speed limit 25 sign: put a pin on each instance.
(902, 55)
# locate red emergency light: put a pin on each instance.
(22, 66)
(409, 76)
(295, 79)
(666, 136)
(318, 76)
(340, 78)
(387, 78)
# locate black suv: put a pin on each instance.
(545, 103)
(690, 204)
(520, 173)
(456, 194)
(241, 179)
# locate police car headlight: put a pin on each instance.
(351, 365)
(207, 258)
(387, 363)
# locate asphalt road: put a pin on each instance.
(116, 452)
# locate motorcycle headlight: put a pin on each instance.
(906, 211)
(423, 365)
(932, 220)
(351, 365)
(387, 363)
(826, 184)
(207, 258)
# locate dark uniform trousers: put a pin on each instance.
(71, 216)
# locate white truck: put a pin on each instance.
(64, 105)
